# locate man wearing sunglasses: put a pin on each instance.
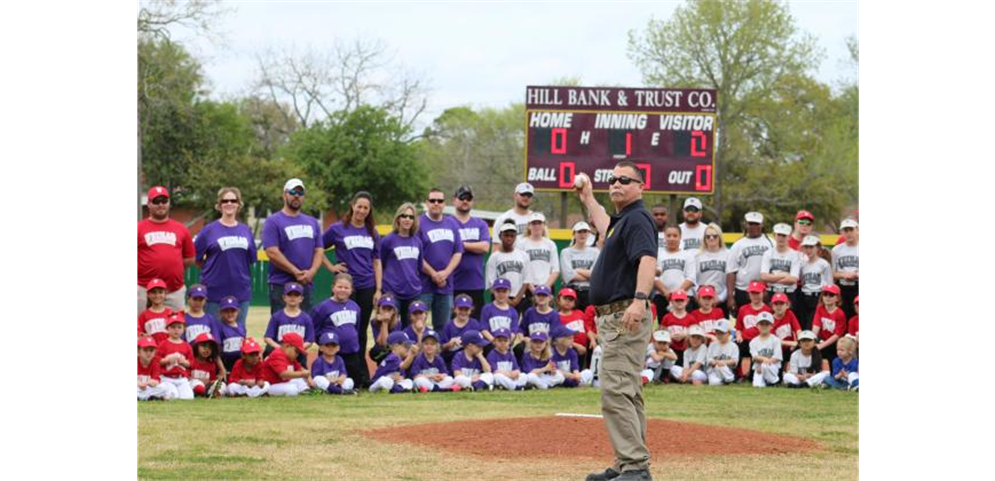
(442, 253)
(846, 265)
(621, 282)
(803, 228)
(293, 243)
(468, 278)
(524, 196)
(165, 248)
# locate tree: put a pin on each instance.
(744, 49)
(358, 150)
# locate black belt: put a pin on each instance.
(617, 306)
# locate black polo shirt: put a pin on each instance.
(631, 235)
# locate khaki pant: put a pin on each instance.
(622, 389)
(175, 300)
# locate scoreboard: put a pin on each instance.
(668, 133)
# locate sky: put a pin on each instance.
(479, 54)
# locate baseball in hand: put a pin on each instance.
(580, 180)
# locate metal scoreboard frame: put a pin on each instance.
(668, 133)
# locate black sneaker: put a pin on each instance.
(635, 475)
(607, 475)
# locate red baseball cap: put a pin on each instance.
(833, 288)
(176, 317)
(158, 191)
(706, 291)
(679, 295)
(804, 214)
(205, 337)
(156, 282)
(146, 341)
(294, 339)
(250, 346)
(756, 286)
(568, 292)
(779, 297)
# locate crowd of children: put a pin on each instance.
(186, 354)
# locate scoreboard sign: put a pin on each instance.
(668, 133)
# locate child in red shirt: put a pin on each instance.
(677, 322)
(574, 320)
(829, 322)
(174, 356)
(707, 314)
(746, 324)
(246, 377)
(149, 383)
(853, 327)
(152, 321)
(786, 326)
(205, 367)
(285, 375)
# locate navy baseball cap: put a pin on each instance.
(429, 333)
(543, 290)
(229, 302)
(464, 300)
(539, 336)
(474, 337)
(197, 291)
(417, 306)
(387, 300)
(328, 338)
(293, 287)
(502, 333)
(501, 283)
(398, 337)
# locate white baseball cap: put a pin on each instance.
(806, 335)
(661, 336)
(692, 202)
(581, 226)
(782, 228)
(293, 183)
(524, 188)
(508, 227)
(810, 240)
(848, 223)
(765, 317)
(722, 326)
(755, 217)
(696, 330)
(537, 217)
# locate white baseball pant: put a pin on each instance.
(718, 376)
(292, 387)
(767, 374)
(546, 381)
(197, 382)
(162, 391)
(385, 383)
(236, 389)
(465, 382)
(812, 381)
(596, 362)
(586, 377)
(323, 382)
(698, 375)
(182, 385)
(424, 382)
(502, 380)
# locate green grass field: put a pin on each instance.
(317, 436)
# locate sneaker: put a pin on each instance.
(349, 392)
(645, 379)
(635, 475)
(606, 475)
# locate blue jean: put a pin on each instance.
(214, 309)
(837, 384)
(441, 306)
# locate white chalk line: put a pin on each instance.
(574, 415)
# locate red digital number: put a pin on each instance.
(703, 178)
(647, 172)
(698, 137)
(558, 142)
(567, 181)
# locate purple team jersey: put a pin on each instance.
(340, 318)
(441, 241)
(466, 367)
(280, 324)
(321, 367)
(469, 274)
(390, 365)
(297, 237)
(354, 246)
(530, 363)
(199, 325)
(502, 362)
(493, 318)
(227, 254)
(422, 366)
(230, 338)
(401, 258)
(533, 321)
(376, 329)
(566, 362)
(452, 330)
(410, 331)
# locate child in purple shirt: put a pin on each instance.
(429, 369)
(451, 334)
(471, 369)
(341, 316)
(328, 370)
(290, 319)
(503, 363)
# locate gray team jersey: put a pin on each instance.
(513, 266)
(651, 364)
(770, 347)
(814, 275)
(543, 257)
(799, 363)
(846, 259)
(691, 239)
(521, 223)
(774, 262)
(710, 270)
(745, 258)
(722, 352)
(572, 259)
(692, 356)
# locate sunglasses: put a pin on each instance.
(625, 180)
(437, 201)
(465, 198)
(297, 192)
(828, 294)
(229, 201)
(160, 200)
(406, 216)
(711, 236)
(691, 209)
(804, 222)
(847, 229)
(526, 194)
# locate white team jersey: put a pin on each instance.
(692, 356)
(676, 267)
(774, 262)
(770, 347)
(543, 258)
(722, 352)
(745, 257)
(799, 363)
(846, 259)
(651, 364)
(710, 270)
(513, 266)
(521, 222)
(691, 239)
(814, 275)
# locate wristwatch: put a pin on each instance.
(641, 296)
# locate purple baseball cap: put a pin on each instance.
(464, 300)
(387, 300)
(229, 302)
(501, 283)
(539, 336)
(543, 289)
(417, 306)
(429, 333)
(562, 331)
(502, 332)
(329, 338)
(398, 337)
(293, 287)
(197, 291)
(474, 337)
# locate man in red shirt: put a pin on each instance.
(165, 248)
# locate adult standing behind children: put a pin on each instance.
(576, 262)
(226, 250)
(292, 240)
(745, 258)
(443, 250)
(524, 196)
(692, 229)
(468, 278)
(165, 248)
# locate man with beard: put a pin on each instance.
(442, 252)
(803, 227)
(692, 229)
(293, 243)
(165, 248)
(524, 196)
(660, 217)
(468, 278)
(745, 258)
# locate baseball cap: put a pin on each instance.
(429, 333)
(765, 317)
(474, 337)
(502, 332)
(539, 336)
(563, 331)
(146, 341)
(176, 317)
(295, 182)
(293, 287)
(580, 226)
(756, 286)
(537, 217)
(156, 282)
(806, 335)
(158, 191)
(250, 346)
(398, 337)
(810, 240)
(463, 190)
(833, 288)
(568, 292)
(782, 228)
(197, 291)
(692, 202)
(706, 291)
(543, 290)
(510, 226)
(501, 283)
(679, 295)
(387, 300)
(463, 300)
(661, 336)
(417, 306)
(696, 330)
(328, 337)
(722, 325)
(779, 297)
(804, 214)
(205, 337)
(848, 223)
(755, 217)
(524, 188)
(294, 339)
(229, 302)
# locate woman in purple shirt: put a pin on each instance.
(225, 251)
(401, 254)
(357, 252)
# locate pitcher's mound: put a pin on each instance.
(576, 437)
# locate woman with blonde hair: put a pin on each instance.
(401, 253)
(225, 251)
(710, 263)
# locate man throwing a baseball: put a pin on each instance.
(621, 282)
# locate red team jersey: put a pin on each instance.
(241, 373)
(154, 324)
(746, 321)
(168, 347)
(675, 325)
(150, 372)
(786, 327)
(707, 321)
(829, 324)
(854, 327)
(576, 321)
(205, 371)
(276, 363)
(161, 250)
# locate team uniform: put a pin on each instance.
(788, 262)
(829, 324)
(678, 326)
(514, 266)
(544, 259)
(200, 325)
(297, 237)
(745, 258)
(675, 268)
(276, 363)
(541, 381)
(506, 363)
(708, 320)
(151, 372)
(452, 331)
(846, 258)
(656, 370)
(464, 369)
(534, 321)
(746, 323)
(154, 324)
(572, 259)
(692, 237)
(174, 373)
(692, 356)
(786, 329)
(468, 278)
(401, 259)
(281, 323)
(342, 318)
(162, 246)
(383, 379)
(521, 223)
(227, 253)
(230, 338)
(422, 368)
(720, 352)
(441, 241)
(203, 374)
(769, 346)
(813, 277)
(799, 363)
(325, 375)
(567, 363)
(710, 270)
(493, 318)
(240, 372)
